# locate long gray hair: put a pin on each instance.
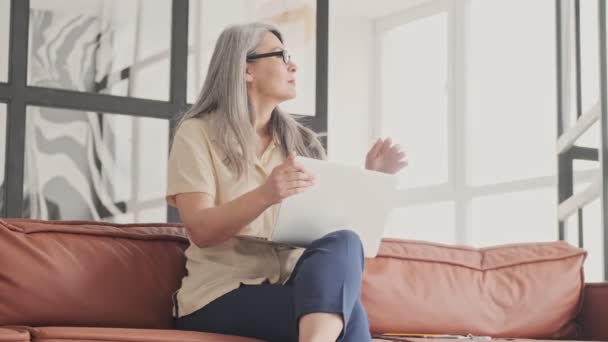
(223, 99)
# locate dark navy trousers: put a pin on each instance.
(327, 278)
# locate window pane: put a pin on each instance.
(572, 235)
(5, 10)
(593, 241)
(526, 216)
(109, 47)
(295, 19)
(414, 99)
(427, 222)
(590, 69)
(591, 137)
(511, 105)
(586, 171)
(570, 62)
(2, 153)
(91, 166)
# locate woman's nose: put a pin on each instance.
(292, 67)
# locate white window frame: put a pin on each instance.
(456, 188)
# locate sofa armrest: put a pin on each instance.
(594, 311)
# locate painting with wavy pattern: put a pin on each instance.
(71, 165)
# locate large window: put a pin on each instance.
(426, 222)
(514, 217)
(413, 96)
(469, 89)
(456, 92)
(511, 127)
(511, 91)
(413, 55)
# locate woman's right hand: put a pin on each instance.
(285, 180)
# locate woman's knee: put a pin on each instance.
(348, 235)
(346, 240)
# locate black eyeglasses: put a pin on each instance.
(283, 53)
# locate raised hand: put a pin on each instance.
(385, 157)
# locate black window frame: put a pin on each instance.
(566, 158)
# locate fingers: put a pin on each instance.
(294, 191)
(373, 152)
(291, 176)
(288, 179)
(386, 145)
(289, 166)
(291, 163)
(298, 180)
(299, 184)
(400, 161)
(388, 142)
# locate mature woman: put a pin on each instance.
(231, 163)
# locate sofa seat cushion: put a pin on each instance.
(84, 334)
(14, 335)
(530, 290)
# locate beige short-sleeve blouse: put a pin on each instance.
(195, 165)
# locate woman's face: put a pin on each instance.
(270, 77)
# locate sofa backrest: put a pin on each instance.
(528, 290)
(89, 273)
(110, 275)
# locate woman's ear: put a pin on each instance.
(248, 74)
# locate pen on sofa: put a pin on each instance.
(437, 336)
(473, 337)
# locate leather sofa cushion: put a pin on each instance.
(14, 335)
(89, 273)
(57, 334)
(520, 290)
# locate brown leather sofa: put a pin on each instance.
(93, 281)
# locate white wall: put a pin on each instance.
(350, 88)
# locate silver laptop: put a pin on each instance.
(343, 197)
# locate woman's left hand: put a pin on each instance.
(385, 157)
